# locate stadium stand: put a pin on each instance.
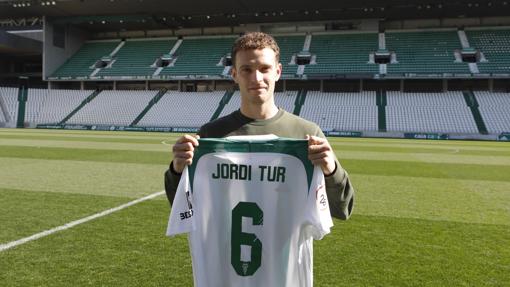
(494, 108)
(425, 52)
(495, 46)
(199, 57)
(416, 53)
(341, 111)
(174, 109)
(343, 53)
(429, 112)
(51, 106)
(136, 57)
(286, 100)
(82, 62)
(113, 108)
(10, 99)
(447, 112)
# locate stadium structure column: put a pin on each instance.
(61, 41)
(22, 101)
(445, 85)
(82, 85)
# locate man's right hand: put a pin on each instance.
(183, 151)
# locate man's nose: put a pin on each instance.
(258, 76)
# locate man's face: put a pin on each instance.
(256, 72)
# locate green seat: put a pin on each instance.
(425, 52)
(495, 46)
(343, 53)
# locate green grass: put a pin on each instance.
(427, 213)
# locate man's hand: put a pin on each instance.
(183, 151)
(320, 153)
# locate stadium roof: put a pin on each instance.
(104, 15)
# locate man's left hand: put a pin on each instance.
(320, 153)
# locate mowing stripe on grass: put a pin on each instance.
(36, 236)
(157, 146)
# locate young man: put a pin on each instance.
(256, 68)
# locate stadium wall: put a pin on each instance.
(56, 49)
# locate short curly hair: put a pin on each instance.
(254, 41)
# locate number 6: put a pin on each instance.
(252, 210)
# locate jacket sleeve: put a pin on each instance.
(339, 190)
(340, 193)
(171, 182)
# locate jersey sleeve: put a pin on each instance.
(317, 211)
(181, 215)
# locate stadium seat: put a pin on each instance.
(136, 57)
(79, 65)
(425, 52)
(341, 111)
(495, 46)
(494, 110)
(429, 112)
(10, 98)
(200, 57)
(182, 109)
(113, 108)
(343, 53)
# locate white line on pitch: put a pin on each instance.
(36, 236)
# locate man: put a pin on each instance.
(256, 68)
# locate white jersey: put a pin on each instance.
(252, 209)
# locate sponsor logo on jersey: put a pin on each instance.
(321, 198)
(189, 213)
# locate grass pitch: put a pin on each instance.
(427, 213)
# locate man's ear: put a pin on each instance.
(278, 71)
(233, 73)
